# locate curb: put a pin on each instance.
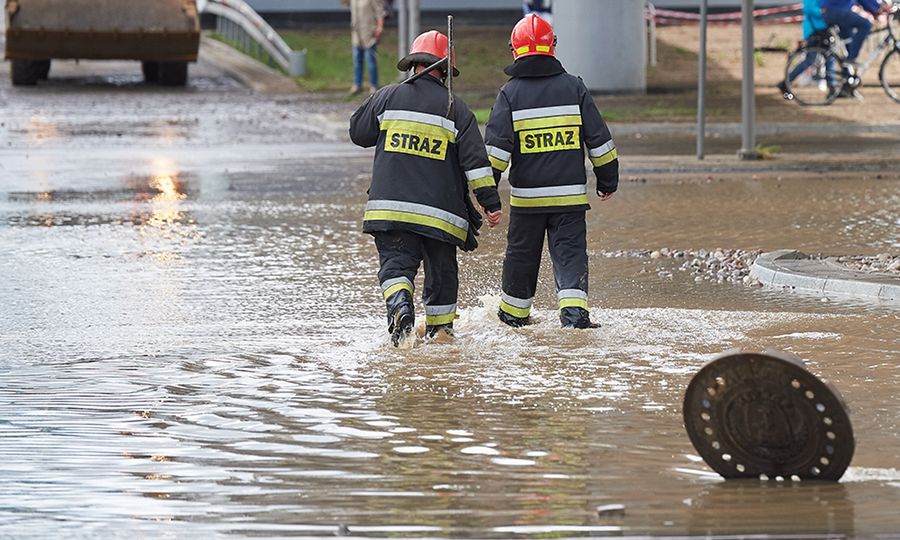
(258, 77)
(788, 268)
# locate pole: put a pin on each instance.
(402, 32)
(414, 18)
(651, 9)
(701, 83)
(748, 98)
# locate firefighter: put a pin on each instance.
(541, 123)
(426, 161)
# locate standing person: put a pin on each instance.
(852, 25)
(426, 161)
(541, 8)
(541, 122)
(366, 26)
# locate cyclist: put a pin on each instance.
(813, 23)
(852, 25)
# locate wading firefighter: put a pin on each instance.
(419, 210)
(541, 124)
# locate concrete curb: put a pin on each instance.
(788, 268)
(259, 77)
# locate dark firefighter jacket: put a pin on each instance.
(542, 122)
(425, 163)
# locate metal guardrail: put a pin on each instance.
(240, 24)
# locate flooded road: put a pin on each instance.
(192, 342)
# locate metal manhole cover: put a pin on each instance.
(755, 414)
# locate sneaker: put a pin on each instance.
(515, 322)
(785, 93)
(849, 92)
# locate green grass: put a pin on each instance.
(666, 110)
(481, 55)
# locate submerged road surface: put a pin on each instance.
(192, 341)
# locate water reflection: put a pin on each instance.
(166, 203)
(752, 507)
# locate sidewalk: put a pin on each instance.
(792, 269)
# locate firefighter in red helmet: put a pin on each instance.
(541, 124)
(426, 161)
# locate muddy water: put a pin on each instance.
(192, 344)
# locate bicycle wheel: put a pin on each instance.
(890, 74)
(812, 74)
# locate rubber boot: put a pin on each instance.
(432, 331)
(401, 316)
(515, 322)
(576, 317)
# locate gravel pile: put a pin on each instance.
(884, 263)
(717, 265)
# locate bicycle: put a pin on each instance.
(815, 73)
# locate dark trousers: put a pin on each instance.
(567, 239)
(400, 253)
(852, 25)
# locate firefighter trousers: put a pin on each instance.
(567, 240)
(400, 253)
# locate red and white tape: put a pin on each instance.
(672, 17)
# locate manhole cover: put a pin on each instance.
(755, 414)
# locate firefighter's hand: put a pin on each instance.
(605, 196)
(493, 218)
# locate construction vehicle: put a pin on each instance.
(164, 35)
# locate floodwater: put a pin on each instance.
(192, 343)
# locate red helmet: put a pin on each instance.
(531, 36)
(427, 49)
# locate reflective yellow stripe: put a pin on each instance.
(487, 181)
(546, 122)
(605, 158)
(417, 219)
(498, 164)
(550, 140)
(542, 48)
(565, 200)
(573, 302)
(521, 313)
(522, 50)
(418, 127)
(434, 320)
(397, 287)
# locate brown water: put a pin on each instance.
(192, 344)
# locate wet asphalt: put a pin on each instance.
(192, 341)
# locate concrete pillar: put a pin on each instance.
(604, 42)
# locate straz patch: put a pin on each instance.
(426, 145)
(550, 139)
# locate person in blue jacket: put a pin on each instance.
(813, 22)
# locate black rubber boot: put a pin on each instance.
(515, 322)
(401, 316)
(432, 331)
(576, 317)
